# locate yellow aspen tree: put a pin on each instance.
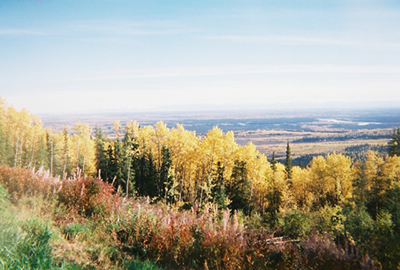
(230, 149)
(3, 109)
(116, 125)
(18, 123)
(182, 145)
(36, 134)
(84, 157)
(340, 175)
(281, 182)
(319, 186)
(262, 171)
(145, 135)
(301, 191)
(211, 153)
(159, 139)
(250, 155)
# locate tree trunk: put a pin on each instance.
(16, 150)
(77, 158)
(32, 153)
(51, 156)
(129, 174)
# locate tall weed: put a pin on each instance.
(20, 182)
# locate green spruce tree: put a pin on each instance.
(273, 161)
(66, 166)
(2, 146)
(218, 188)
(41, 157)
(166, 184)
(129, 153)
(288, 163)
(101, 157)
(394, 143)
(238, 189)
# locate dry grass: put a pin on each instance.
(269, 141)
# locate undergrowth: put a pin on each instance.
(84, 224)
(25, 244)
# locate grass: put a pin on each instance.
(31, 237)
(24, 242)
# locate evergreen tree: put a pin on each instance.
(238, 190)
(288, 163)
(140, 174)
(111, 164)
(8, 152)
(41, 157)
(377, 196)
(146, 176)
(360, 189)
(394, 143)
(66, 170)
(117, 164)
(25, 156)
(273, 161)
(57, 163)
(50, 153)
(52, 163)
(151, 178)
(2, 146)
(101, 158)
(274, 197)
(218, 189)
(166, 184)
(129, 151)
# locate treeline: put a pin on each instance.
(343, 138)
(356, 153)
(25, 143)
(178, 166)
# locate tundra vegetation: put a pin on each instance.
(155, 197)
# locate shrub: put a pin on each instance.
(88, 197)
(25, 245)
(296, 224)
(19, 182)
(71, 231)
(136, 265)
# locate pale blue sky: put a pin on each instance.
(74, 56)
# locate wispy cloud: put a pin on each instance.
(20, 32)
(293, 40)
(126, 28)
(101, 28)
(233, 70)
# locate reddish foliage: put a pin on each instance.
(186, 240)
(25, 182)
(183, 240)
(88, 197)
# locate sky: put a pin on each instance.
(92, 56)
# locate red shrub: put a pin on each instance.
(88, 197)
(25, 182)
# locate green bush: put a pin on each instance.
(71, 231)
(296, 224)
(136, 265)
(25, 244)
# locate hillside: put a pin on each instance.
(154, 196)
